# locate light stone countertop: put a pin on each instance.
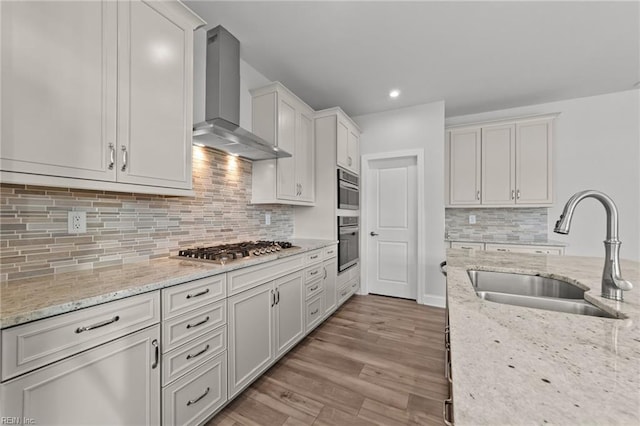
(552, 243)
(515, 365)
(26, 300)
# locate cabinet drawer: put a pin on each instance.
(181, 298)
(355, 285)
(330, 252)
(312, 257)
(467, 246)
(313, 288)
(193, 354)
(344, 293)
(315, 312)
(29, 346)
(246, 278)
(512, 248)
(313, 273)
(179, 330)
(193, 398)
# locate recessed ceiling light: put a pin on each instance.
(394, 93)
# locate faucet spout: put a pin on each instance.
(612, 282)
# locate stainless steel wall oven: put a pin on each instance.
(349, 241)
(348, 190)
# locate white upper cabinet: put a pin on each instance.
(348, 145)
(501, 164)
(281, 118)
(464, 178)
(98, 95)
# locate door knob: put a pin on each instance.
(373, 234)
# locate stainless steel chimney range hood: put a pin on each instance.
(222, 111)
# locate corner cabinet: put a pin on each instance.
(501, 164)
(282, 119)
(98, 95)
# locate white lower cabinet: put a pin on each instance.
(330, 280)
(289, 311)
(193, 398)
(315, 308)
(117, 383)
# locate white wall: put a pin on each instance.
(418, 127)
(596, 146)
(250, 78)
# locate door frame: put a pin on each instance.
(418, 154)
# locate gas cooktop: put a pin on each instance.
(225, 253)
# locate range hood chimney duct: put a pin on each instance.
(221, 128)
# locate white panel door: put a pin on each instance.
(498, 165)
(464, 167)
(392, 234)
(58, 82)
(305, 163)
(113, 384)
(533, 162)
(154, 108)
(289, 311)
(286, 167)
(330, 269)
(251, 335)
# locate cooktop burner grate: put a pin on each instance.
(225, 253)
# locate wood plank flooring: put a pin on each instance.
(375, 361)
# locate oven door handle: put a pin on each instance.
(351, 230)
(347, 185)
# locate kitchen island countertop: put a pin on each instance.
(516, 365)
(26, 300)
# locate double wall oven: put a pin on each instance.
(349, 240)
(348, 191)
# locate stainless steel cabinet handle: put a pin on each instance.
(349, 160)
(198, 323)
(315, 256)
(193, 401)
(540, 251)
(191, 356)
(202, 293)
(466, 248)
(315, 311)
(112, 156)
(373, 234)
(478, 195)
(313, 272)
(325, 273)
(513, 194)
(314, 288)
(273, 298)
(277, 296)
(518, 194)
(445, 412)
(124, 158)
(156, 353)
(301, 190)
(344, 293)
(97, 325)
(500, 249)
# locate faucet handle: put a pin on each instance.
(622, 284)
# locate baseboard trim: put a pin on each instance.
(431, 300)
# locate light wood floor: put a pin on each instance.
(376, 361)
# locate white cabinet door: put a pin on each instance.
(533, 162)
(289, 311)
(251, 335)
(117, 383)
(342, 142)
(330, 269)
(354, 151)
(58, 113)
(155, 71)
(305, 158)
(286, 167)
(464, 167)
(498, 165)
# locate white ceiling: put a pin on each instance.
(477, 56)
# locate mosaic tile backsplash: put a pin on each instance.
(124, 227)
(521, 224)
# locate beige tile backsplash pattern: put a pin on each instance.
(124, 227)
(499, 224)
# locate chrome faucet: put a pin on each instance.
(612, 283)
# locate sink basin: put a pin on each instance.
(533, 291)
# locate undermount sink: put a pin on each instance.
(533, 291)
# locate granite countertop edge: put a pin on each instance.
(516, 365)
(19, 294)
(552, 243)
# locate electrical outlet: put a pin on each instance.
(472, 219)
(77, 223)
(267, 219)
